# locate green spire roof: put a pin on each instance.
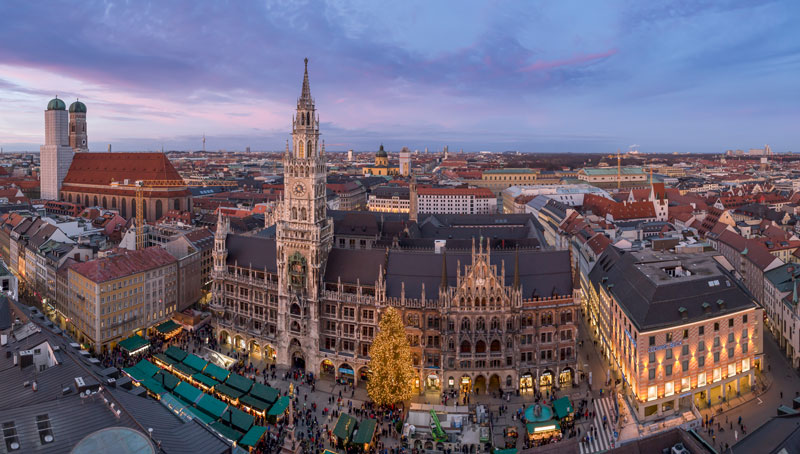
(56, 104)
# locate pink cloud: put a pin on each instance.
(577, 60)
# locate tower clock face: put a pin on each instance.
(299, 189)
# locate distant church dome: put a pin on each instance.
(56, 104)
(76, 107)
(381, 153)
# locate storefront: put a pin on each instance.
(565, 377)
(466, 384)
(347, 374)
(432, 382)
(327, 368)
(526, 383)
(546, 379)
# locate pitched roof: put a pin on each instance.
(103, 168)
(252, 251)
(124, 263)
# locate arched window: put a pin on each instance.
(480, 324)
(451, 344)
(495, 323)
(86, 200)
(294, 213)
(95, 201)
(105, 202)
(133, 208)
(510, 343)
(480, 347)
(466, 347)
(69, 197)
(495, 346)
(308, 118)
(300, 152)
(304, 214)
(144, 209)
(124, 211)
(113, 202)
(465, 324)
(158, 209)
(295, 309)
(310, 151)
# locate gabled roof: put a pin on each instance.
(103, 168)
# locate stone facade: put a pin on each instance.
(478, 320)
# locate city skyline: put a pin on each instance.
(685, 77)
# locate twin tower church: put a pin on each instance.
(479, 318)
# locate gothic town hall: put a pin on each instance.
(490, 310)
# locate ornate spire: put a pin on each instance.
(443, 284)
(305, 94)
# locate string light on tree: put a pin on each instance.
(391, 363)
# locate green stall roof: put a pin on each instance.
(135, 373)
(147, 368)
(280, 406)
(168, 327)
(165, 359)
(563, 407)
(195, 362)
(205, 379)
(238, 419)
(216, 372)
(202, 416)
(532, 426)
(176, 353)
(222, 388)
(184, 369)
(166, 379)
(133, 343)
(188, 392)
(153, 386)
(263, 392)
(252, 437)
(239, 382)
(344, 427)
(227, 432)
(252, 402)
(365, 432)
(212, 405)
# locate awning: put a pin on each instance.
(563, 407)
(226, 390)
(205, 380)
(164, 359)
(148, 369)
(543, 426)
(238, 419)
(217, 373)
(135, 373)
(239, 382)
(227, 432)
(344, 427)
(188, 392)
(280, 406)
(166, 379)
(168, 327)
(134, 344)
(153, 386)
(212, 405)
(365, 432)
(195, 362)
(252, 402)
(253, 436)
(264, 392)
(176, 353)
(184, 369)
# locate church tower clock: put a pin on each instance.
(304, 236)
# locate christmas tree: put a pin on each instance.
(390, 362)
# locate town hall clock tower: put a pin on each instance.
(304, 237)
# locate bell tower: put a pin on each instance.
(304, 235)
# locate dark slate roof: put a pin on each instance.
(252, 251)
(175, 435)
(780, 434)
(542, 273)
(355, 265)
(652, 298)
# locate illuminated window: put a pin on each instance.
(669, 388)
(717, 374)
(652, 392)
(686, 383)
(745, 364)
(701, 379)
(731, 369)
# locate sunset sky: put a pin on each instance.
(534, 76)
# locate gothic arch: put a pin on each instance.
(465, 324)
(159, 209)
(466, 347)
(95, 201)
(294, 309)
(294, 213)
(310, 150)
(480, 347)
(105, 202)
(124, 211)
(304, 214)
(300, 151)
(113, 202)
(69, 197)
(495, 346)
(86, 200)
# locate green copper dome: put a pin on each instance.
(77, 107)
(381, 153)
(56, 104)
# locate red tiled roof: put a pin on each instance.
(602, 206)
(124, 263)
(103, 168)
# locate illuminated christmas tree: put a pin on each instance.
(390, 362)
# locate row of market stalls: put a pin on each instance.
(353, 435)
(197, 389)
(137, 344)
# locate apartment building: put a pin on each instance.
(456, 201)
(390, 199)
(121, 293)
(678, 329)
